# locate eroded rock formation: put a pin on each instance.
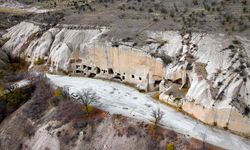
(207, 75)
(81, 52)
(216, 69)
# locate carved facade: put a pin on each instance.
(122, 63)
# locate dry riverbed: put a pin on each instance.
(120, 99)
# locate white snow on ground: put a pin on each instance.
(120, 99)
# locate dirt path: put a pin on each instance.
(120, 99)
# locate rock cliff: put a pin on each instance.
(207, 75)
(214, 70)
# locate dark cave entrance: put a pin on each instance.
(110, 71)
(92, 75)
(118, 78)
(78, 71)
(97, 70)
(157, 82)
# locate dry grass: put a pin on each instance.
(156, 95)
(13, 11)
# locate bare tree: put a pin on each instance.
(65, 92)
(86, 97)
(157, 115)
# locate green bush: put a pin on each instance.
(15, 98)
(17, 65)
(54, 101)
(39, 62)
(195, 2)
(177, 100)
(170, 146)
(58, 92)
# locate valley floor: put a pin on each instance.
(120, 99)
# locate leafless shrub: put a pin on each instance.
(164, 10)
(15, 77)
(86, 97)
(131, 131)
(68, 111)
(39, 101)
(65, 92)
(54, 101)
(157, 115)
(152, 144)
(29, 130)
(171, 134)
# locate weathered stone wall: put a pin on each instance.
(227, 118)
(210, 72)
(81, 52)
(123, 63)
(216, 68)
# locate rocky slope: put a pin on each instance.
(207, 75)
(214, 70)
(127, 101)
(51, 121)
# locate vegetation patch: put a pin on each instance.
(12, 100)
(39, 61)
(13, 11)
(170, 146)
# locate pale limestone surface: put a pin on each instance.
(125, 63)
(18, 36)
(214, 81)
(64, 49)
(214, 73)
(121, 99)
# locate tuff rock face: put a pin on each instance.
(207, 75)
(81, 52)
(214, 70)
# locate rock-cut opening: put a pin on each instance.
(97, 70)
(157, 82)
(92, 75)
(110, 71)
(118, 77)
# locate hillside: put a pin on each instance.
(187, 58)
